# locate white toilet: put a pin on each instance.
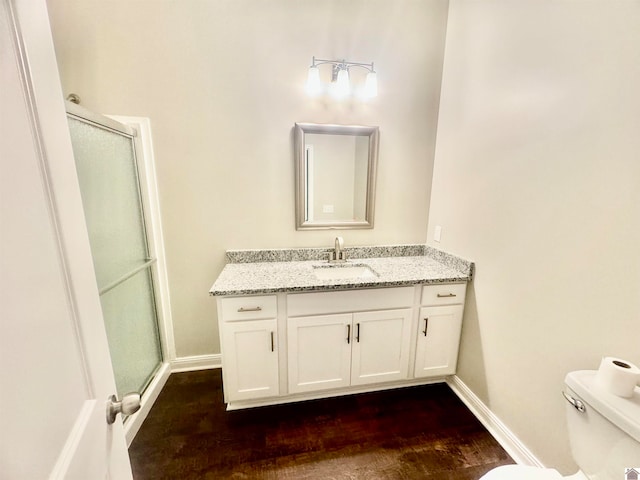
(604, 433)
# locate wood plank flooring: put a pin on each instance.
(422, 432)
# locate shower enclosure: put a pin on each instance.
(108, 172)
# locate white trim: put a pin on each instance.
(66, 457)
(196, 362)
(505, 437)
(134, 422)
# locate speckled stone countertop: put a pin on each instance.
(292, 270)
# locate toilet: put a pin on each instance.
(604, 433)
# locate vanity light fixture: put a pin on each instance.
(340, 82)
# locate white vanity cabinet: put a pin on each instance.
(439, 326)
(249, 331)
(368, 343)
(291, 346)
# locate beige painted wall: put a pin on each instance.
(537, 179)
(223, 84)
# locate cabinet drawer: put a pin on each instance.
(249, 308)
(446, 294)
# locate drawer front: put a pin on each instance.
(319, 303)
(249, 308)
(446, 294)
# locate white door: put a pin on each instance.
(319, 352)
(380, 346)
(56, 372)
(251, 359)
(438, 340)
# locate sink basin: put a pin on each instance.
(343, 272)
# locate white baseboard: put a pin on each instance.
(505, 437)
(134, 422)
(196, 362)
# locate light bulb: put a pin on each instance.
(341, 88)
(371, 85)
(314, 86)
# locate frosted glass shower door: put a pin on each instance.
(108, 175)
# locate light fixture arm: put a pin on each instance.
(342, 64)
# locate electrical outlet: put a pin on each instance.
(437, 234)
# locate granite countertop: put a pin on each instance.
(292, 270)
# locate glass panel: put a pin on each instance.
(108, 177)
(128, 311)
(110, 195)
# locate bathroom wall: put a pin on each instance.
(223, 84)
(537, 179)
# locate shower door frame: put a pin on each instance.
(139, 129)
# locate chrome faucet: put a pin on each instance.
(338, 255)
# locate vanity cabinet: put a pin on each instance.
(439, 327)
(249, 347)
(291, 346)
(344, 338)
(360, 348)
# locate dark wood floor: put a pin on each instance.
(422, 432)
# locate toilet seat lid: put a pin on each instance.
(519, 472)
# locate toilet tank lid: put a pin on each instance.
(622, 412)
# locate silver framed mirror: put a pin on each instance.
(335, 175)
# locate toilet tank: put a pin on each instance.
(605, 436)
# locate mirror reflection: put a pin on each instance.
(336, 167)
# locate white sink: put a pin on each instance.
(343, 272)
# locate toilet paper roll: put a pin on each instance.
(618, 376)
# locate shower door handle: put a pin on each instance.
(129, 405)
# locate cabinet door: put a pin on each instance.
(438, 340)
(319, 352)
(250, 359)
(380, 351)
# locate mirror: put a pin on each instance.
(335, 176)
